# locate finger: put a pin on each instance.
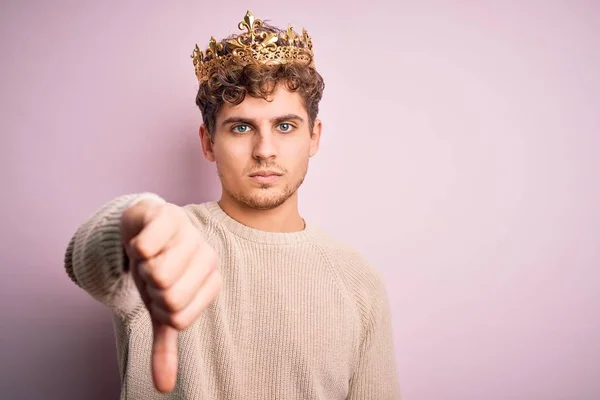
(176, 297)
(155, 235)
(141, 286)
(167, 268)
(164, 358)
(203, 297)
(135, 217)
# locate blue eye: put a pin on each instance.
(241, 128)
(285, 127)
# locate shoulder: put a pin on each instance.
(210, 220)
(202, 216)
(347, 258)
(359, 277)
(198, 213)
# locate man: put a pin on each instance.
(241, 298)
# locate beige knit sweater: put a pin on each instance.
(300, 315)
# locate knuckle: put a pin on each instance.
(161, 278)
(151, 211)
(142, 248)
(178, 321)
(172, 301)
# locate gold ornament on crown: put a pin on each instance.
(253, 46)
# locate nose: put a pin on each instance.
(264, 145)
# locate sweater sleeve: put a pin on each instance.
(95, 258)
(376, 374)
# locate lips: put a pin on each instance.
(264, 177)
(264, 174)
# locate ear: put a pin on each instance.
(207, 144)
(315, 137)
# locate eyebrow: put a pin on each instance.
(250, 121)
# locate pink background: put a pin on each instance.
(460, 154)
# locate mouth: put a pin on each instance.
(265, 176)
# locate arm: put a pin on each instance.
(95, 258)
(376, 375)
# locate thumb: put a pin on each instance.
(136, 217)
(164, 357)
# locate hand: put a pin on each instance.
(175, 272)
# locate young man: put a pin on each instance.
(241, 298)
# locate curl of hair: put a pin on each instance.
(231, 83)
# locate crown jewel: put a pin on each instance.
(253, 46)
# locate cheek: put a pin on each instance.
(296, 155)
(231, 158)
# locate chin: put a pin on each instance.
(262, 197)
(266, 197)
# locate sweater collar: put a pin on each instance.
(256, 235)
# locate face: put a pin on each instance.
(261, 148)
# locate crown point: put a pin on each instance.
(253, 46)
(248, 22)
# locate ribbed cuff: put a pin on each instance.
(95, 258)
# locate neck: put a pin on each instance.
(284, 218)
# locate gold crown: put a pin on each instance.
(253, 46)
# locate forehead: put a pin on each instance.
(281, 102)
